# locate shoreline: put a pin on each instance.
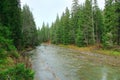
(96, 56)
(93, 49)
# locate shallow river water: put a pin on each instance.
(52, 62)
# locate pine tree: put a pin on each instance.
(52, 33)
(66, 27)
(10, 16)
(75, 6)
(48, 32)
(43, 33)
(117, 12)
(109, 29)
(28, 28)
(80, 36)
(88, 23)
(55, 31)
(62, 28)
(71, 32)
(98, 22)
(58, 30)
(74, 20)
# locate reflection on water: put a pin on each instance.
(104, 73)
(55, 63)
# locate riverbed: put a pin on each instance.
(51, 62)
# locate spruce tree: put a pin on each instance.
(28, 28)
(109, 28)
(74, 20)
(58, 30)
(88, 23)
(66, 27)
(79, 40)
(117, 12)
(98, 22)
(62, 26)
(10, 16)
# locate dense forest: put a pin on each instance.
(86, 24)
(17, 33)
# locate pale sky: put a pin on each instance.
(46, 10)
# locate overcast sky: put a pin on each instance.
(46, 10)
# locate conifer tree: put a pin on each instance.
(109, 29)
(28, 28)
(88, 23)
(98, 22)
(117, 12)
(79, 40)
(74, 20)
(10, 16)
(58, 30)
(66, 27)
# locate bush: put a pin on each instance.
(3, 56)
(7, 49)
(108, 40)
(19, 72)
(4, 31)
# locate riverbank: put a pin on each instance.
(93, 49)
(13, 62)
(100, 56)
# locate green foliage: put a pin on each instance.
(11, 39)
(108, 40)
(53, 33)
(89, 28)
(66, 27)
(98, 23)
(29, 31)
(10, 16)
(3, 56)
(44, 33)
(19, 72)
(74, 20)
(88, 25)
(117, 15)
(79, 38)
(6, 44)
(112, 27)
(4, 31)
(7, 49)
(59, 32)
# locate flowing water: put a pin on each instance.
(52, 62)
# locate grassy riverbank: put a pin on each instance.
(93, 49)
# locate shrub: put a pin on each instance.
(19, 72)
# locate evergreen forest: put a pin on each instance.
(17, 34)
(86, 25)
(83, 25)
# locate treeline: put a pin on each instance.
(44, 33)
(17, 32)
(87, 24)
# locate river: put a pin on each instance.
(51, 62)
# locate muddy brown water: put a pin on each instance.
(52, 62)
